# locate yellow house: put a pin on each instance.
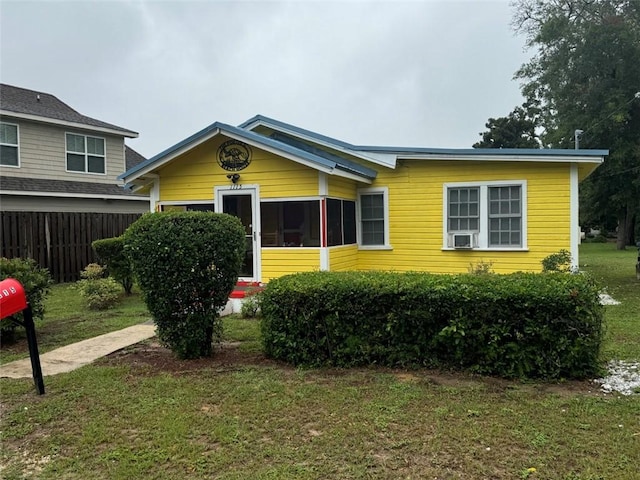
(310, 202)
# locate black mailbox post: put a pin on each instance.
(14, 300)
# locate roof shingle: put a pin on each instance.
(31, 102)
(22, 184)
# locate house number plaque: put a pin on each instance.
(234, 155)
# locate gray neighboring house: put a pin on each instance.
(54, 159)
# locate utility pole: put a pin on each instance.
(577, 134)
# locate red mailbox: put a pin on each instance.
(13, 299)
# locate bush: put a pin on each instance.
(186, 264)
(100, 293)
(251, 305)
(36, 282)
(93, 271)
(518, 325)
(110, 251)
(481, 268)
(557, 262)
(595, 239)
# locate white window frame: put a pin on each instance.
(85, 153)
(482, 235)
(17, 145)
(384, 191)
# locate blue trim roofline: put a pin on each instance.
(421, 150)
(296, 148)
(483, 151)
(177, 146)
(293, 128)
(330, 163)
(343, 162)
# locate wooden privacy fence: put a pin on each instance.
(59, 241)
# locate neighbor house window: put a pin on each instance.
(492, 213)
(9, 155)
(373, 217)
(341, 222)
(85, 154)
(290, 223)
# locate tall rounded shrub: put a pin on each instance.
(186, 264)
(110, 251)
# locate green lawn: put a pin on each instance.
(67, 321)
(615, 269)
(249, 418)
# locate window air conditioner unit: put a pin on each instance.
(463, 241)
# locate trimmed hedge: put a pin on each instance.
(186, 264)
(518, 325)
(110, 251)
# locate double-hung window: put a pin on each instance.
(9, 155)
(505, 216)
(373, 218)
(464, 209)
(85, 154)
(491, 214)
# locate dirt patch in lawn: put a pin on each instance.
(151, 358)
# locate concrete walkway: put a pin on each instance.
(70, 357)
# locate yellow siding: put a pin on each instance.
(277, 262)
(343, 258)
(194, 175)
(416, 209)
(342, 188)
(416, 212)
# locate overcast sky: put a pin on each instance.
(415, 73)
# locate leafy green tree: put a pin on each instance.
(585, 75)
(186, 264)
(517, 130)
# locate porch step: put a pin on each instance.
(244, 289)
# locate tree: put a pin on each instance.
(586, 75)
(186, 264)
(517, 130)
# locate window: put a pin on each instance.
(85, 154)
(9, 145)
(290, 223)
(464, 212)
(505, 217)
(341, 222)
(492, 213)
(374, 221)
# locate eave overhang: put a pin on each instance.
(378, 158)
(321, 164)
(68, 124)
(25, 193)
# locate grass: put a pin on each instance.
(67, 321)
(615, 270)
(121, 420)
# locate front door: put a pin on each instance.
(242, 203)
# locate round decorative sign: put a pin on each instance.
(234, 155)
